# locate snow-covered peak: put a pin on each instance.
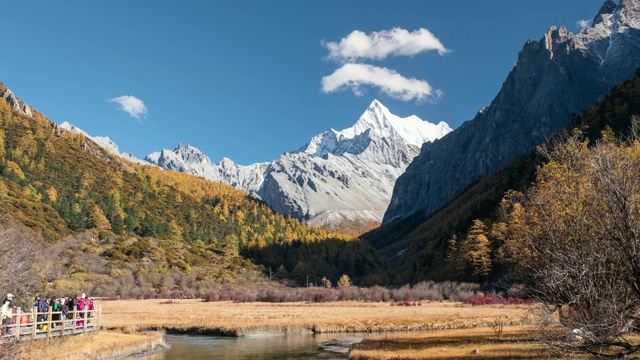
(416, 131)
(166, 159)
(412, 129)
(611, 19)
(627, 15)
(107, 144)
(153, 157)
(72, 128)
(191, 154)
(102, 141)
(612, 28)
(227, 163)
(375, 118)
(600, 28)
(379, 122)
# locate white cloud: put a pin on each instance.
(131, 105)
(381, 44)
(583, 23)
(356, 76)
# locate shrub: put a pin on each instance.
(492, 299)
(424, 291)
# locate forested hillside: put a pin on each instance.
(113, 226)
(419, 248)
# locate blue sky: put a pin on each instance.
(244, 79)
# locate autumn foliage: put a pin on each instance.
(573, 240)
(116, 227)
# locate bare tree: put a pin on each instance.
(574, 240)
(20, 271)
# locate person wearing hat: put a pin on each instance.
(9, 298)
(6, 312)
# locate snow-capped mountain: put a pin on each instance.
(188, 159)
(337, 176)
(103, 141)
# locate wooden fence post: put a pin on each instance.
(85, 320)
(49, 321)
(34, 314)
(18, 318)
(75, 316)
(64, 322)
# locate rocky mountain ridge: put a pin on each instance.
(104, 142)
(555, 77)
(338, 176)
(15, 103)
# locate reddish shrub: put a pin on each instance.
(495, 300)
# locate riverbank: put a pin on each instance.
(481, 343)
(102, 345)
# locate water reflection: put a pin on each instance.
(199, 347)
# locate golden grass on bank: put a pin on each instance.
(515, 343)
(442, 330)
(246, 318)
(99, 345)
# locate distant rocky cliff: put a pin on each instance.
(16, 104)
(559, 75)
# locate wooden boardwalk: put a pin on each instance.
(31, 325)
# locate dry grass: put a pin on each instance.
(123, 320)
(99, 345)
(515, 343)
(248, 318)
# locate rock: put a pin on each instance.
(340, 346)
(475, 352)
(16, 104)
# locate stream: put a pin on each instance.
(269, 347)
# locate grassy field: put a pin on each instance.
(251, 318)
(419, 332)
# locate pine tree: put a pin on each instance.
(478, 249)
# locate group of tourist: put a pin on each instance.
(61, 309)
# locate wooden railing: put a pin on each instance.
(35, 325)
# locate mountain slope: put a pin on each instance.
(110, 226)
(338, 176)
(416, 248)
(560, 75)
